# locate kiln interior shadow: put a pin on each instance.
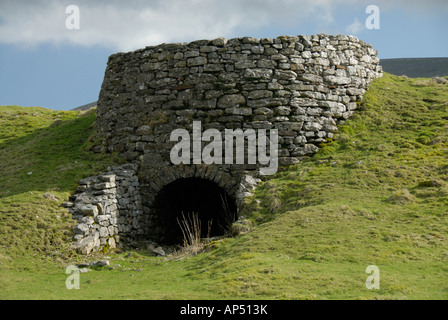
(182, 198)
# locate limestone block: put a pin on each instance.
(197, 61)
(231, 100)
(89, 210)
(85, 245)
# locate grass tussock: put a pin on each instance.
(402, 196)
(192, 234)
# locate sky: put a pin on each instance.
(53, 54)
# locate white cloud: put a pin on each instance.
(355, 27)
(132, 24)
(127, 25)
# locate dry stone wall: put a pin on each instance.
(303, 86)
(108, 209)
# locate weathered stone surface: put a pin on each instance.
(81, 228)
(198, 61)
(108, 206)
(260, 94)
(338, 80)
(231, 100)
(258, 74)
(300, 85)
(50, 196)
(239, 111)
(85, 245)
(159, 251)
(440, 80)
(67, 204)
(89, 210)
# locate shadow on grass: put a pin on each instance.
(52, 158)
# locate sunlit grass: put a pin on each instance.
(375, 195)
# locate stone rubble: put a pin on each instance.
(107, 208)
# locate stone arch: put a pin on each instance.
(154, 181)
(184, 197)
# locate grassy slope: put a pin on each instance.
(41, 151)
(377, 195)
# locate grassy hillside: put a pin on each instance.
(376, 195)
(41, 152)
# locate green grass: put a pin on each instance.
(376, 195)
(41, 151)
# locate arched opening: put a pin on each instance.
(186, 196)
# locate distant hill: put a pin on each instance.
(86, 106)
(416, 67)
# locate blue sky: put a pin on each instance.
(42, 63)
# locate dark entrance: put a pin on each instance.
(193, 195)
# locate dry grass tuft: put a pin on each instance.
(191, 230)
